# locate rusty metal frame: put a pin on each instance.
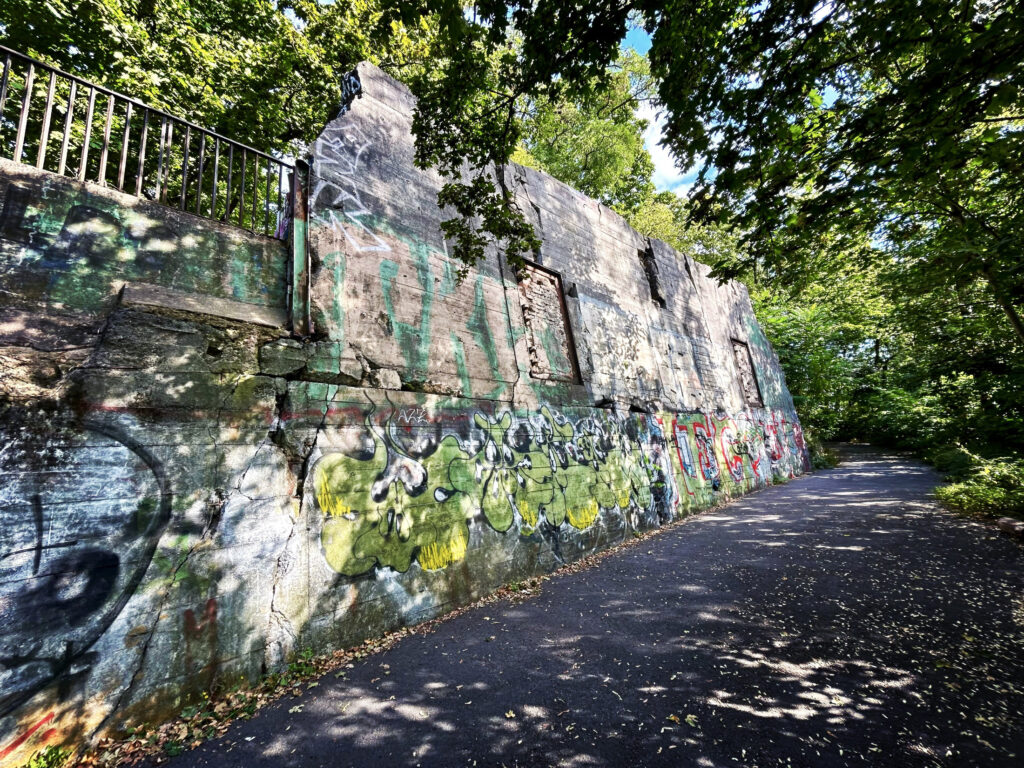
(753, 373)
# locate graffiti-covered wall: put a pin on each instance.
(218, 450)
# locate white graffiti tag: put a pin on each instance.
(335, 192)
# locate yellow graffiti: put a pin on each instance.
(623, 497)
(529, 516)
(330, 504)
(437, 555)
(584, 516)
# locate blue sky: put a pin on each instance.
(638, 40)
(667, 177)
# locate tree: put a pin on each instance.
(264, 72)
(846, 122)
(595, 142)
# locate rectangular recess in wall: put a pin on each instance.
(748, 378)
(650, 265)
(550, 340)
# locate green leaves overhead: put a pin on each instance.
(263, 72)
(595, 141)
(849, 123)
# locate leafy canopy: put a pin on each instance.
(595, 142)
(264, 72)
(848, 123)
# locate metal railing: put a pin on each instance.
(76, 128)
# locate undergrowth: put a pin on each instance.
(985, 487)
(822, 457)
(50, 757)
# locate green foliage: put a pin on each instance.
(302, 665)
(259, 71)
(994, 488)
(594, 142)
(173, 748)
(822, 457)
(666, 216)
(953, 460)
(49, 757)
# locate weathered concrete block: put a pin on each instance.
(283, 356)
(334, 362)
(384, 378)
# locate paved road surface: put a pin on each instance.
(839, 620)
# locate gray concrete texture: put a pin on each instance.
(195, 488)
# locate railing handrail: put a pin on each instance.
(239, 195)
(111, 92)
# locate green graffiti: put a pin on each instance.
(414, 340)
(412, 497)
(479, 327)
(460, 364)
(336, 328)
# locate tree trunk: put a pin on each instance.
(1004, 302)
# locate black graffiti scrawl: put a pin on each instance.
(84, 506)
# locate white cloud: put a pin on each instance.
(667, 175)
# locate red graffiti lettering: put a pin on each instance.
(28, 735)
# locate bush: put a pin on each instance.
(993, 488)
(822, 457)
(954, 460)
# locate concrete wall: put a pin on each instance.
(192, 493)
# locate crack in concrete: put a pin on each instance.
(144, 652)
(277, 618)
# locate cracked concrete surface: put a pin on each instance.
(459, 448)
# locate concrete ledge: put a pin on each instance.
(143, 295)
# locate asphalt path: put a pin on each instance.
(841, 619)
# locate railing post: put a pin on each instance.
(184, 168)
(124, 146)
(227, 193)
(4, 83)
(202, 167)
(101, 177)
(216, 168)
(26, 103)
(255, 191)
(298, 309)
(141, 173)
(88, 134)
(69, 117)
(241, 192)
(266, 202)
(44, 134)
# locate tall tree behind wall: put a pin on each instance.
(595, 141)
(263, 72)
(816, 122)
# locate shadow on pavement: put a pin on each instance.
(841, 619)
